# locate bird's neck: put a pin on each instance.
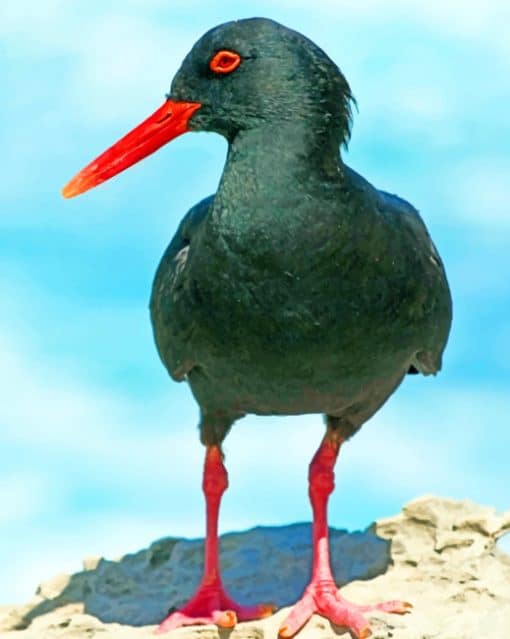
(275, 183)
(270, 172)
(286, 150)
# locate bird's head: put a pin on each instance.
(240, 75)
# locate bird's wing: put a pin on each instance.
(436, 300)
(171, 324)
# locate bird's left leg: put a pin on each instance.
(321, 596)
(211, 604)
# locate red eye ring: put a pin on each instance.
(225, 61)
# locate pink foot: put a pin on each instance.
(210, 604)
(323, 598)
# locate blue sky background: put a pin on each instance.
(98, 448)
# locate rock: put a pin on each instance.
(90, 563)
(438, 553)
(53, 587)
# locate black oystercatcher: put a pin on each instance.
(297, 288)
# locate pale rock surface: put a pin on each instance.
(439, 554)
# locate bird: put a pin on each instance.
(297, 288)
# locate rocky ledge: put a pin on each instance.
(437, 553)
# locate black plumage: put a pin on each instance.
(298, 287)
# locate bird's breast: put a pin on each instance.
(295, 295)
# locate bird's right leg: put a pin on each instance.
(322, 596)
(210, 603)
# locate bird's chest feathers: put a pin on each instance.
(265, 219)
(267, 235)
(263, 269)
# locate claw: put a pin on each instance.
(266, 610)
(298, 616)
(322, 598)
(394, 607)
(224, 618)
(211, 605)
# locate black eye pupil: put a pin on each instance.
(225, 61)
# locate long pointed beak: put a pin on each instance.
(165, 124)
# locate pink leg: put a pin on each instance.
(321, 595)
(210, 603)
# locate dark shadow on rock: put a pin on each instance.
(265, 564)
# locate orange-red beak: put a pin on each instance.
(165, 124)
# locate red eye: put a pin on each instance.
(225, 62)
